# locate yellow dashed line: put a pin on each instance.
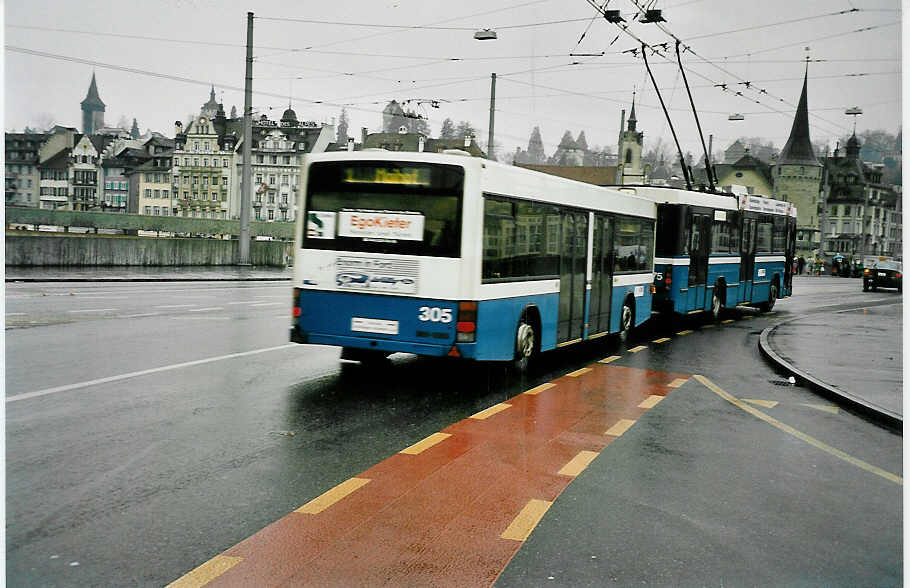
(747, 317)
(421, 446)
(609, 359)
(661, 340)
(621, 426)
(637, 349)
(651, 401)
(686, 332)
(678, 382)
(320, 503)
(578, 463)
(580, 372)
(520, 528)
(484, 414)
(205, 573)
(727, 322)
(707, 326)
(541, 388)
(824, 408)
(764, 403)
(798, 434)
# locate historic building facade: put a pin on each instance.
(22, 179)
(202, 161)
(862, 215)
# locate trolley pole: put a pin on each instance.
(490, 154)
(245, 187)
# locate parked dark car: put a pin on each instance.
(883, 274)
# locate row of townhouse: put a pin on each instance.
(196, 174)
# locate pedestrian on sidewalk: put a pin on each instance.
(801, 264)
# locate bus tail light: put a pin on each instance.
(653, 289)
(295, 303)
(668, 280)
(466, 327)
(897, 275)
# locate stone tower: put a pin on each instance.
(92, 110)
(629, 168)
(797, 177)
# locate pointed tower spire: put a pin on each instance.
(798, 149)
(92, 109)
(92, 98)
(632, 119)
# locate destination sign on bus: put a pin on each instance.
(380, 224)
(765, 205)
(410, 176)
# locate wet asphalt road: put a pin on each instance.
(135, 481)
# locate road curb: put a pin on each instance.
(852, 402)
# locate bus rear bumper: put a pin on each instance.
(387, 345)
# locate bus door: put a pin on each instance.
(747, 259)
(601, 275)
(699, 248)
(789, 255)
(572, 266)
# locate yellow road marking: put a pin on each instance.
(205, 573)
(824, 407)
(686, 332)
(727, 322)
(707, 326)
(580, 372)
(322, 502)
(799, 434)
(621, 426)
(637, 349)
(748, 316)
(770, 312)
(661, 340)
(487, 413)
(609, 359)
(520, 528)
(578, 463)
(651, 401)
(421, 446)
(541, 388)
(765, 403)
(678, 382)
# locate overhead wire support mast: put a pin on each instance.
(682, 160)
(712, 178)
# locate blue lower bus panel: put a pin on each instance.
(418, 325)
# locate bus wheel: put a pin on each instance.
(772, 298)
(625, 321)
(717, 304)
(525, 344)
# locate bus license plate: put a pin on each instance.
(369, 325)
(882, 274)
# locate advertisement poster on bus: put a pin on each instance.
(380, 224)
(320, 225)
(376, 275)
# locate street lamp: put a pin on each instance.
(485, 35)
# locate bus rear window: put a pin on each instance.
(384, 207)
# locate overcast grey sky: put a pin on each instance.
(322, 67)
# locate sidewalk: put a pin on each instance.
(854, 356)
(147, 274)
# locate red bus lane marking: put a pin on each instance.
(453, 509)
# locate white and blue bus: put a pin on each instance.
(442, 254)
(717, 251)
